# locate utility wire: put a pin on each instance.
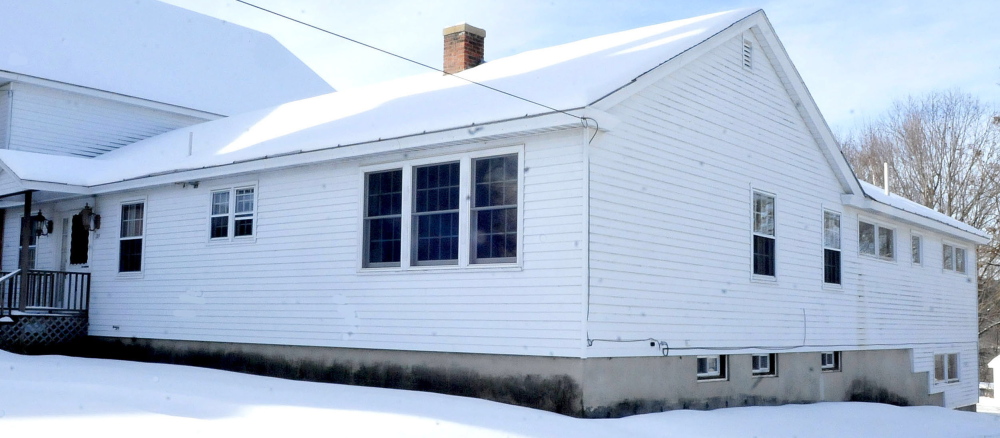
(582, 119)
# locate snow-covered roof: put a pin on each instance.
(878, 194)
(563, 77)
(154, 51)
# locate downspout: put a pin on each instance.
(585, 244)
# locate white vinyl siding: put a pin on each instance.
(670, 232)
(301, 282)
(59, 122)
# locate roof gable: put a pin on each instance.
(154, 51)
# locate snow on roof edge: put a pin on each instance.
(878, 194)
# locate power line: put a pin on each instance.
(411, 60)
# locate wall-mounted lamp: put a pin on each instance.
(90, 221)
(41, 226)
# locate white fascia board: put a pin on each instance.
(470, 134)
(4, 170)
(43, 186)
(107, 95)
(869, 205)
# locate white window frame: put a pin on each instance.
(879, 227)
(949, 371)
(957, 253)
(754, 234)
(466, 245)
(231, 214)
(718, 372)
(764, 364)
(830, 361)
(838, 248)
(917, 250)
(141, 237)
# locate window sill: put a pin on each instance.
(764, 279)
(233, 240)
(877, 258)
(396, 270)
(946, 382)
(831, 370)
(712, 379)
(129, 275)
(764, 376)
(837, 287)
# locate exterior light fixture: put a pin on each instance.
(40, 225)
(91, 221)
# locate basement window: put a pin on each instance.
(765, 364)
(712, 367)
(830, 361)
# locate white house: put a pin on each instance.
(663, 221)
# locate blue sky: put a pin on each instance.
(856, 57)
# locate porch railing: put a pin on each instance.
(48, 292)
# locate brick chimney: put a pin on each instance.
(463, 47)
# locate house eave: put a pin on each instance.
(875, 207)
(478, 133)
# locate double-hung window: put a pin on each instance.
(233, 213)
(130, 239)
(435, 214)
(461, 211)
(831, 247)
(946, 368)
(953, 258)
(876, 241)
(763, 234)
(494, 209)
(383, 217)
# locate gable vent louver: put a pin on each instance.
(747, 54)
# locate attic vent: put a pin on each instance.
(747, 54)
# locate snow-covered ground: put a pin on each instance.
(64, 396)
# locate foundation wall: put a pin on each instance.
(596, 387)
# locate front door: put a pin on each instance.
(75, 244)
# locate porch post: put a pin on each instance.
(22, 300)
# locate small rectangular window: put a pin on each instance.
(915, 249)
(946, 368)
(763, 234)
(383, 218)
(130, 239)
(32, 247)
(953, 258)
(876, 241)
(830, 361)
(831, 247)
(764, 364)
(711, 367)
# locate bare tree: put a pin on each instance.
(943, 151)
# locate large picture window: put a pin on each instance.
(460, 211)
(763, 234)
(233, 213)
(130, 239)
(831, 247)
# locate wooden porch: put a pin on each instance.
(42, 309)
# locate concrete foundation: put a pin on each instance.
(596, 387)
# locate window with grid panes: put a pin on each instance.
(435, 214)
(494, 209)
(130, 238)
